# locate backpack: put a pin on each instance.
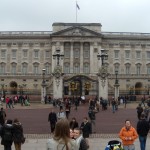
(7, 135)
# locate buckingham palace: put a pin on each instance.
(74, 59)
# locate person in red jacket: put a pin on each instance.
(128, 135)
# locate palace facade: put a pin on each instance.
(23, 56)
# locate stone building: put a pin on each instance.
(75, 71)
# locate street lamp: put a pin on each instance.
(43, 85)
(58, 56)
(103, 56)
(116, 73)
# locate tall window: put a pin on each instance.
(116, 54)
(2, 68)
(25, 53)
(24, 68)
(76, 53)
(47, 54)
(127, 54)
(76, 68)
(36, 68)
(138, 69)
(66, 68)
(148, 55)
(67, 47)
(47, 68)
(3, 53)
(86, 68)
(127, 68)
(14, 68)
(36, 53)
(86, 50)
(148, 69)
(14, 53)
(138, 55)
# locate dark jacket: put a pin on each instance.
(17, 132)
(7, 132)
(86, 129)
(83, 145)
(52, 118)
(143, 127)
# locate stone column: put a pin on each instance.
(81, 58)
(71, 58)
(43, 93)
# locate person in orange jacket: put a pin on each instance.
(128, 135)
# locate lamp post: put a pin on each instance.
(58, 56)
(103, 56)
(43, 93)
(116, 85)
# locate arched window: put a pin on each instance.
(2, 68)
(36, 68)
(13, 68)
(116, 67)
(47, 68)
(148, 68)
(127, 68)
(138, 69)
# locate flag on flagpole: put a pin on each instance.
(77, 6)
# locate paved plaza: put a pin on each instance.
(37, 130)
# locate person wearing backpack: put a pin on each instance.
(7, 135)
(2, 116)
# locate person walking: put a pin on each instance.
(61, 114)
(52, 118)
(2, 116)
(86, 128)
(18, 136)
(7, 135)
(142, 130)
(61, 139)
(128, 135)
(73, 123)
(139, 111)
(81, 142)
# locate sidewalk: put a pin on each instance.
(95, 144)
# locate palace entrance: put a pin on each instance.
(80, 85)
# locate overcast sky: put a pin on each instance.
(39, 15)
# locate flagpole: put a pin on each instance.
(76, 11)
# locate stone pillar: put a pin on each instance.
(103, 88)
(71, 58)
(57, 87)
(81, 58)
(43, 93)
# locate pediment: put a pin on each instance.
(76, 31)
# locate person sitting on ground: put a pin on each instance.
(82, 143)
(61, 139)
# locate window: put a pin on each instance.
(2, 68)
(36, 53)
(14, 68)
(36, 68)
(116, 54)
(66, 68)
(67, 53)
(47, 54)
(138, 69)
(14, 53)
(25, 53)
(127, 69)
(24, 68)
(148, 69)
(138, 55)
(47, 68)
(76, 68)
(148, 55)
(127, 54)
(76, 53)
(3, 53)
(86, 68)
(86, 50)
